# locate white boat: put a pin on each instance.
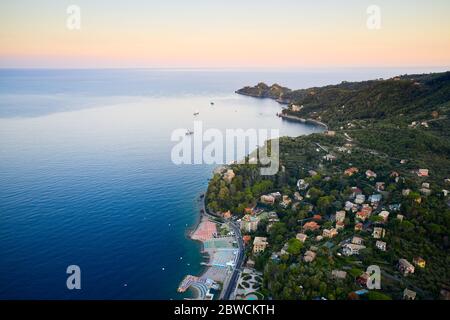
(189, 132)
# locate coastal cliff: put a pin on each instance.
(400, 100)
(262, 90)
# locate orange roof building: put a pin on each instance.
(227, 215)
(312, 225)
(317, 217)
(351, 171)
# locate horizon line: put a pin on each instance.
(255, 68)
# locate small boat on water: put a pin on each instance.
(211, 103)
(196, 113)
(189, 132)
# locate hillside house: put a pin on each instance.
(405, 267)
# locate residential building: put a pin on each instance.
(312, 226)
(405, 267)
(340, 225)
(302, 184)
(362, 279)
(357, 240)
(272, 219)
(366, 208)
(249, 223)
(296, 108)
(297, 196)
(309, 256)
(359, 226)
(378, 233)
(409, 294)
(276, 195)
(350, 206)
(268, 199)
(395, 206)
(340, 216)
(285, 202)
(380, 186)
(351, 171)
(423, 172)
(338, 274)
(360, 198)
(370, 174)
(375, 199)
(355, 192)
(384, 214)
(361, 215)
(259, 244)
(381, 245)
(302, 237)
(283, 250)
(425, 191)
(228, 175)
(420, 262)
(312, 173)
(329, 233)
(350, 249)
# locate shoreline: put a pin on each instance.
(204, 216)
(190, 231)
(287, 116)
(303, 120)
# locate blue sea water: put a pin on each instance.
(86, 176)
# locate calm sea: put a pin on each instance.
(86, 176)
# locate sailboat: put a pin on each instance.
(196, 113)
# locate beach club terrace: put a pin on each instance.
(223, 256)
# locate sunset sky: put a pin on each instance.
(223, 34)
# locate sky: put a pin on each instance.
(224, 34)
